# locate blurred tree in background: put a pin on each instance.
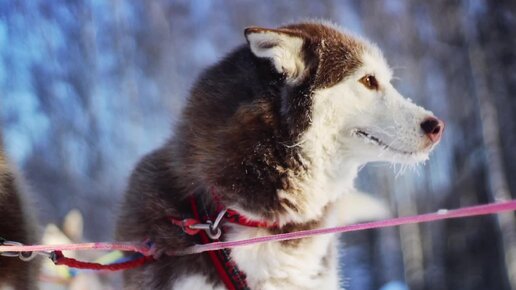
(88, 87)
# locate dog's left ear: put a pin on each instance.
(283, 48)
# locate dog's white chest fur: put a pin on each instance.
(311, 264)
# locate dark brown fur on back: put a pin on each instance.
(236, 134)
(15, 225)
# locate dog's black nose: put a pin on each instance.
(433, 128)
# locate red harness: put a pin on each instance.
(209, 230)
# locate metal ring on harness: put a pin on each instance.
(212, 229)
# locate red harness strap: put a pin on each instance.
(231, 276)
(235, 217)
(59, 259)
(201, 224)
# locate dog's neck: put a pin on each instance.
(315, 189)
(330, 171)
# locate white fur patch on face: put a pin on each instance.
(282, 49)
(195, 281)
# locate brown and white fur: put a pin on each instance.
(280, 128)
(16, 225)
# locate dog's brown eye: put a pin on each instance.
(369, 82)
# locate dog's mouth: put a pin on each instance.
(377, 141)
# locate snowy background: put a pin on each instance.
(88, 87)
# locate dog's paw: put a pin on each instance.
(357, 206)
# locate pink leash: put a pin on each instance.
(146, 250)
(121, 246)
(439, 215)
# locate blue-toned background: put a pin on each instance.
(88, 87)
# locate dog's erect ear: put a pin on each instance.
(281, 46)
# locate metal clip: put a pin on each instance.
(10, 254)
(212, 229)
(24, 256)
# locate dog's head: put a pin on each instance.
(351, 109)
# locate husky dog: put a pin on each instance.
(278, 129)
(16, 225)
